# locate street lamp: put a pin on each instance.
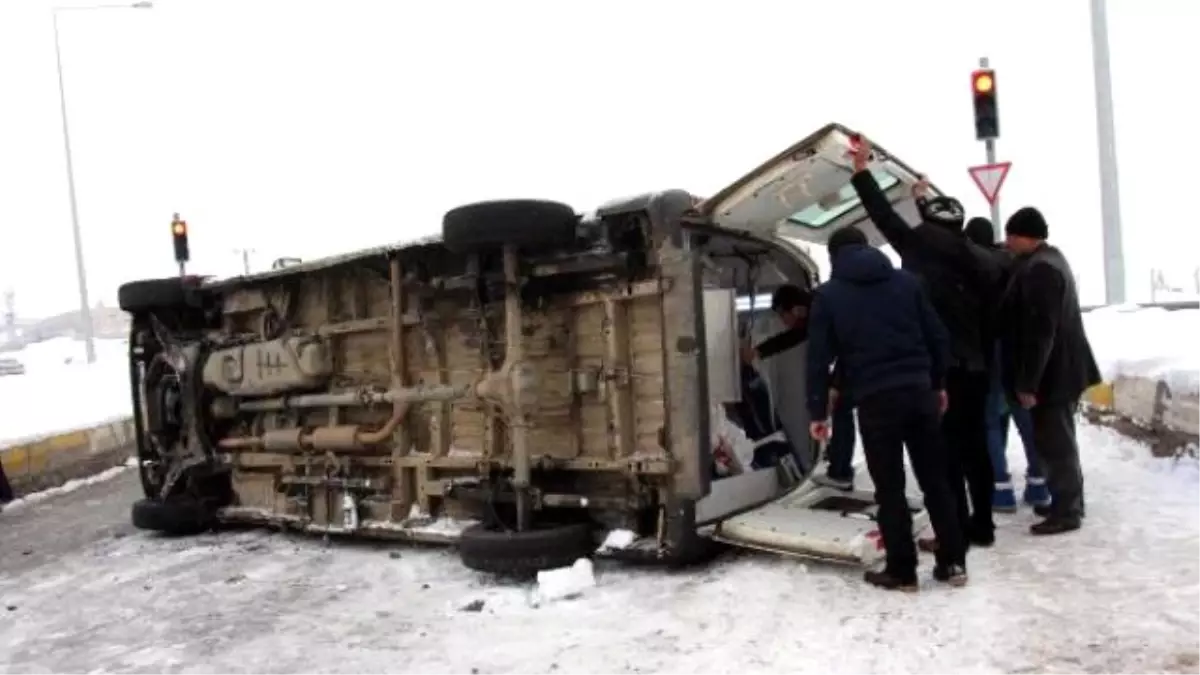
(85, 309)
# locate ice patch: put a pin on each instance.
(564, 582)
(617, 540)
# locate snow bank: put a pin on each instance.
(1150, 342)
(57, 371)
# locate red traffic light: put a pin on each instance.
(983, 81)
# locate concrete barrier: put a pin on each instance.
(1148, 409)
(49, 460)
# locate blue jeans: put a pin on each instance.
(841, 446)
(999, 412)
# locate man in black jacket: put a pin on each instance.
(961, 281)
(791, 304)
(6, 493)
(892, 350)
(1047, 361)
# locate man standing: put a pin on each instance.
(791, 304)
(1047, 361)
(892, 348)
(999, 412)
(958, 278)
(6, 493)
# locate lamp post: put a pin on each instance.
(1110, 201)
(85, 309)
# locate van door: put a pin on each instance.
(804, 192)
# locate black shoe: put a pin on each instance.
(888, 582)
(1055, 525)
(982, 536)
(1042, 511)
(954, 575)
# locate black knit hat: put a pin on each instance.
(1027, 222)
(847, 236)
(980, 231)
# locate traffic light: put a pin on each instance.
(179, 236)
(987, 114)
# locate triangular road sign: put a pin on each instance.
(989, 178)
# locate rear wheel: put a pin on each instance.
(524, 554)
(153, 294)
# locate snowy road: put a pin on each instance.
(93, 595)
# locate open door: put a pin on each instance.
(804, 192)
(820, 523)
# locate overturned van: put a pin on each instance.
(533, 386)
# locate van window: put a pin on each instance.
(817, 216)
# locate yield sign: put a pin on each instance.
(989, 178)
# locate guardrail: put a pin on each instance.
(49, 460)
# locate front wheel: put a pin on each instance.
(524, 554)
(178, 516)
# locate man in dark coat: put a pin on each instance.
(1004, 498)
(959, 278)
(791, 304)
(6, 493)
(892, 350)
(1047, 362)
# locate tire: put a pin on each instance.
(525, 223)
(149, 294)
(177, 516)
(524, 554)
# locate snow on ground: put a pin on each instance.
(1147, 342)
(1119, 596)
(61, 391)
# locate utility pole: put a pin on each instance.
(245, 253)
(1110, 200)
(85, 308)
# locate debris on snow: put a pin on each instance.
(473, 606)
(564, 583)
(617, 540)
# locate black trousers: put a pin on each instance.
(888, 421)
(1058, 452)
(964, 427)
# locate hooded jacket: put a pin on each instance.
(962, 279)
(878, 324)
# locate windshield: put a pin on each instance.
(826, 211)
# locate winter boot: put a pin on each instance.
(1004, 498)
(955, 575)
(891, 582)
(1036, 492)
(1055, 525)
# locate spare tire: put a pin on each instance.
(177, 516)
(524, 554)
(525, 223)
(150, 294)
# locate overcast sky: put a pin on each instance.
(305, 127)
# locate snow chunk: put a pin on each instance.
(617, 540)
(564, 582)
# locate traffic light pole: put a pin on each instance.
(1110, 202)
(989, 148)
